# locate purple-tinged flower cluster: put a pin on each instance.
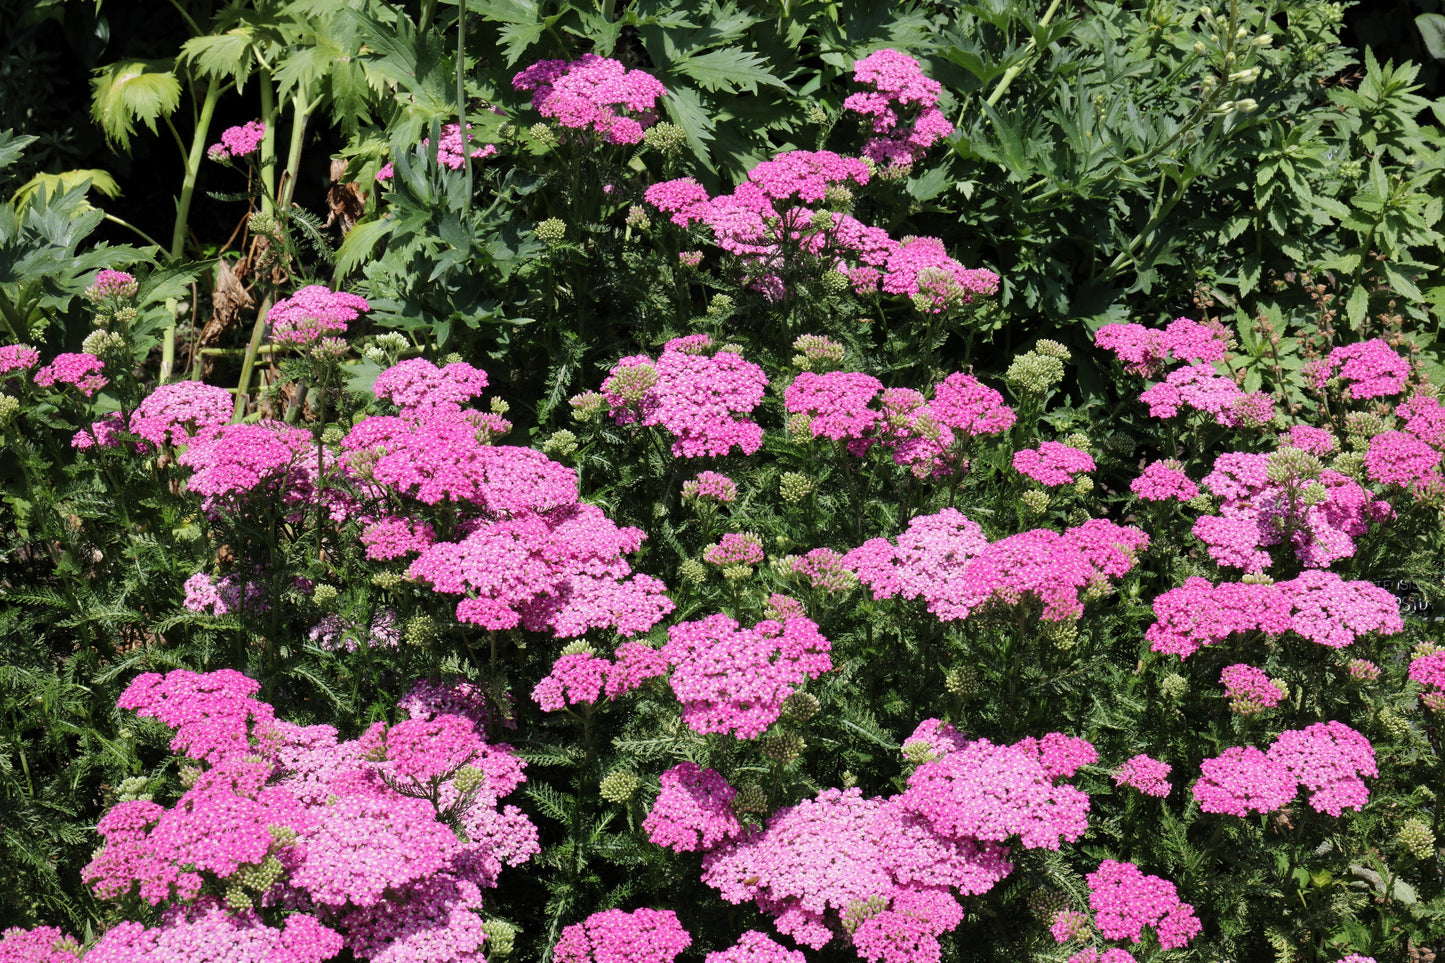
(754, 947)
(1328, 758)
(417, 386)
(1199, 387)
(616, 936)
(702, 399)
(81, 371)
(594, 93)
(901, 108)
(946, 559)
(1052, 463)
(1320, 606)
(18, 358)
(734, 680)
(1397, 458)
(313, 314)
(1369, 369)
(230, 594)
(238, 141)
(448, 153)
(735, 548)
(1146, 774)
(693, 811)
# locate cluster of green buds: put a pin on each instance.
(1035, 501)
(751, 798)
(862, 910)
(667, 139)
(552, 231)
(1417, 839)
(692, 572)
(720, 307)
(782, 747)
(420, 630)
(1036, 371)
(619, 786)
(587, 406)
(1173, 686)
(637, 218)
(386, 349)
(543, 135)
(560, 444)
(801, 706)
(501, 938)
(962, 680)
(9, 408)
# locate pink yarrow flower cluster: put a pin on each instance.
(17, 358)
(1320, 606)
(1124, 901)
(734, 680)
(616, 936)
(702, 399)
(947, 560)
(81, 371)
(238, 141)
(448, 153)
(1428, 671)
(113, 285)
(1147, 351)
(1249, 690)
(1369, 369)
(901, 107)
(1052, 463)
(693, 811)
(44, 944)
(313, 314)
(711, 486)
(175, 413)
(594, 93)
(352, 832)
(1328, 758)
(581, 678)
(1146, 774)
(1164, 481)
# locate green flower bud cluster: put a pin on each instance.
(1083, 485)
(552, 231)
(237, 898)
(1080, 441)
(917, 752)
(666, 139)
(578, 647)
(388, 581)
(501, 938)
(1078, 516)
(1360, 427)
(692, 572)
(782, 747)
(750, 799)
(860, 911)
(419, 630)
(637, 218)
(834, 282)
(103, 344)
(836, 197)
(9, 408)
(795, 487)
(619, 786)
(1416, 838)
(737, 573)
(802, 706)
(189, 774)
(962, 680)
(1052, 349)
(633, 383)
(720, 306)
(543, 134)
(1286, 464)
(800, 429)
(1035, 500)
(1173, 686)
(132, 788)
(1061, 635)
(1314, 493)
(560, 444)
(468, 778)
(259, 877)
(1396, 725)
(816, 114)
(1035, 372)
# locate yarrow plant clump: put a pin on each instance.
(901, 109)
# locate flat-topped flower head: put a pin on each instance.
(1052, 463)
(238, 141)
(693, 811)
(594, 93)
(1125, 900)
(313, 314)
(81, 371)
(710, 486)
(175, 413)
(1146, 774)
(1164, 481)
(616, 936)
(113, 285)
(1249, 690)
(1368, 369)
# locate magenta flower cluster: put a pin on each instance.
(113, 285)
(313, 315)
(1328, 758)
(1368, 369)
(702, 399)
(901, 107)
(81, 371)
(734, 680)
(1052, 463)
(1125, 900)
(593, 93)
(1319, 606)
(238, 141)
(616, 936)
(693, 811)
(349, 837)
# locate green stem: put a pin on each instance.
(142, 234)
(258, 332)
(1016, 69)
(301, 113)
(268, 142)
(183, 211)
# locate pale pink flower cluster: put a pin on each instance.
(1164, 481)
(175, 413)
(223, 596)
(702, 399)
(238, 141)
(355, 830)
(710, 486)
(693, 811)
(1146, 774)
(1125, 900)
(1249, 690)
(117, 285)
(594, 93)
(17, 358)
(313, 314)
(81, 371)
(1369, 369)
(616, 936)
(1320, 606)
(1147, 351)
(1257, 512)
(901, 108)
(1052, 463)
(734, 680)
(735, 548)
(336, 632)
(584, 677)
(1328, 758)
(947, 560)
(824, 569)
